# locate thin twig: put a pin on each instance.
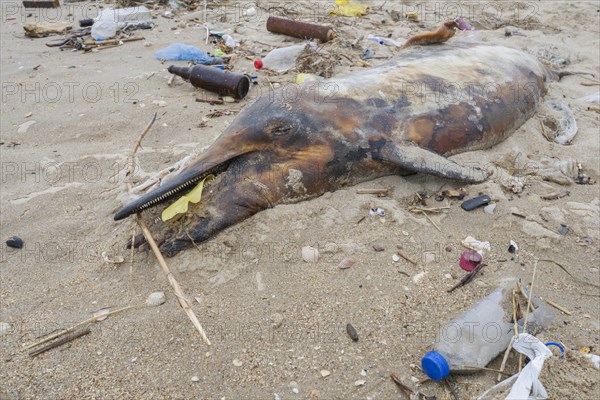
(60, 342)
(172, 281)
(407, 258)
(379, 192)
(516, 328)
(137, 144)
(405, 389)
(82, 323)
(571, 275)
(430, 220)
(535, 264)
(558, 307)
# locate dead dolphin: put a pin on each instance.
(402, 117)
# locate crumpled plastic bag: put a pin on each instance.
(184, 52)
(343, 7)
(527, 385)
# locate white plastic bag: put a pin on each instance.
(527, 385)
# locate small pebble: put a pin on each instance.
(134, 359)
(419, 276)
(395, 257)
(4, 328)
(363, 373)
(237, 363)
(276, 319)
(325, 373)
(378, 248)
(563, 229)
(195, 379)
(160, 103)
(7, 358)
(352, 332)
(490, 208)
(15, 242)
(360, 382)
(24, 127)
(156, 299)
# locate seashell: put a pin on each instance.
(99, 314)
(156, 299)
(347, 262)
(114, 260)
(310, 254)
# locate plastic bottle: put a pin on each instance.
(125, 16)
(104, 29)
(282, 59)
(478, 335)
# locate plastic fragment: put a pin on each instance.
(181, 205)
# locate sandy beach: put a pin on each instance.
(276, 322)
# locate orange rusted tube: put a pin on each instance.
(299, 29)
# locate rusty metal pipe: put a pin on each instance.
(302, 30)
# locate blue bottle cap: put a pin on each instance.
(435, 366)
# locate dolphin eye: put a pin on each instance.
(281, 129)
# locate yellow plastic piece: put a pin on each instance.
(349, 9)
(181, 205)
(301, 78)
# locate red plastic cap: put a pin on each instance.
(469, 260)
(258, 64)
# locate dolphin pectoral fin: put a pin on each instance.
(411, 157)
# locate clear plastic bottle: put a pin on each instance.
(107, 23)
(478, 335)
(283, 59)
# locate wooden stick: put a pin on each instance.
(134, 150)
(571, 275)
(111, 41)
(383, 192)
(405, 389)
(487, 369)
(553, 304)
(210, 101)
(516, 328)
(407, 258)
(430, 220)
(163, 264)
(178, 292)
(522, 290)
(535, 263)
(87, 321)
(555, 196)
(60, 342)
(428, 209)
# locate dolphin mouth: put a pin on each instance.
(184, 180)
